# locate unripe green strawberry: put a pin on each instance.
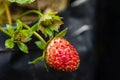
(61, 55)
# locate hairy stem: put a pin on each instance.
(31, 11)
(35, 33)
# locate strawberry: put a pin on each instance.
(61, 55)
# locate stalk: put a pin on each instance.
(7, 12)
(35, 33)
(31, 11)
(4, 31)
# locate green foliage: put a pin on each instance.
(62, 33)
(46, 17)
(22, 1)
(23, 47)
(19, 26)
(40, 44)
(48, 32)
(35, 27)
(9, 43)
(10, 29)
(19, 36)
(26, 35)
(37, 60)
(48, 24)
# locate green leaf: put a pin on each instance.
(23, 47)
(49, 32)
(22, 1)
(57, 18)
(9, 43)
(10, 29)
(35, 27)
(37, 60)
(52, 27)
(40, 44)
(19, 26)
(45, 17)
(62, 33)
(26, 35)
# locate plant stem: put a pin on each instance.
(39, 37)
(30, 11)
(35, 33)
(37, 60)
(7, 12)
(4, 31)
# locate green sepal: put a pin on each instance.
(37, 60)
(40, 44)
(35, 27)
(54, 28)
(10, 29)
(48, 32)
(9, 43)
(45, 17)
(23, 47)
(62, 33)
(19, 26)
(26, 35)
(57, 18)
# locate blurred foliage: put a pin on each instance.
(17, 9)
(2, 13)
(22, 1)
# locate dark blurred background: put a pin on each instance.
(107, 39)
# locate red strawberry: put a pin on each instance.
(61, 55)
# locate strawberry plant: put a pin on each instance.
(58, 53)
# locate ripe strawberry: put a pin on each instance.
(61, 55)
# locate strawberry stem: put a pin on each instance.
(30, 11)
(35, 33)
